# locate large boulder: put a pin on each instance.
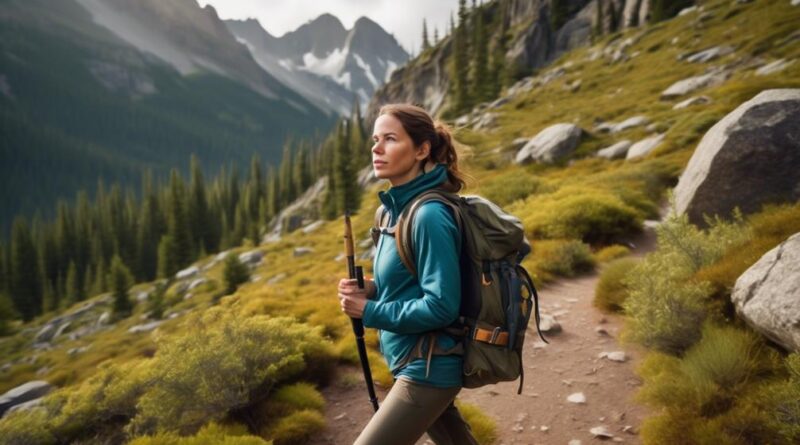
(23, 393)
(766, 295)
(551, 144)
(749, 158)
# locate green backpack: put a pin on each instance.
(494, 312)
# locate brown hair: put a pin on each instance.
(421, 127)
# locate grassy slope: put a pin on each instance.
(609, 92)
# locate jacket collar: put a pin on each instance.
(396, 198)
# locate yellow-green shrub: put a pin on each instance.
(610, 253)
(298, 396)
(297, 427)
(484, 429)
(666, 308)
(511, 186)
(210, 434)
(219, 365)
(27, 428)
(594, 216)
(564, 258)
(611, 291)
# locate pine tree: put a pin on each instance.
(7, 313)
(435, 36)
(500, 75)
(25, 283)
(199, 219)
(426, 44)
(235, 273)
(273, 188)
(100, 284)
(360, 153)
(74, 291)
(178, 225)
(3, 269)
(599, 26)
(286, 194)
(461, 97)
(167, 262)
(559, 12)
(119, 280)
(346, 183)
(149, 231)
(299, 174)
(480, 44)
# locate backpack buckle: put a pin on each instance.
(495, 333)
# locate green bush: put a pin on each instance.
(611, 253)
(297, 427)
(208, 435)
(484, 429)
(511, 186)
(594, 216)
(611, 292)
(235, 273)
(564, 258)
(298, 396)
(27, 428)
(666, 307)
(222, 363)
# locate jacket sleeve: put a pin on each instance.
(436, 249)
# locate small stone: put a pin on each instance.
(617, 356)
(601, 331)
(617, 439)
(575, 442)
(601, 431)
(521, 417)
(567, 382)
(518, 428)
(544, 428)
(577, 397)
(628, 429)
(340, 416)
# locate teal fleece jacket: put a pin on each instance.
(405, 307)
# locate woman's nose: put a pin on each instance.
(377, 147)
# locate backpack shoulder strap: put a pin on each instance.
(403, 234)
(378, 224)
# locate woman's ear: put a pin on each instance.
(424, 151)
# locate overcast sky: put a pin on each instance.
(402, 19)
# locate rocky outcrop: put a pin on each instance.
(616, 151)
(644, 147)
(23, 393)
(766, 295)
(747, 159)
(682, 87)
(551, 144)
(302, 211)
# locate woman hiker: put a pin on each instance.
(414, 154)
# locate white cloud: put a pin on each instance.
(402, 19)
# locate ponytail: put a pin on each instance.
(421, 127)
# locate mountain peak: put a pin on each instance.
(327, 19)
(364, 22)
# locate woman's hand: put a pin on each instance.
(353, 299)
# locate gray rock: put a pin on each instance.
(143, 296)
(630, 122)
(686, 86)
(197, 282)
(104, 318)
(551, 144)
(795, 2)
(499, 102)
(767, 295)
(688, 10)
(616, 356)
(23, 393)
(615, 151)
(601, 431)
(644, 147)
(577, 397)
(745, 160)
(696, 100)
(187, 273)
(277, 278)
(709, 54)
(774, 67)
(46, 333)
(548, 323)
(251, 258)
(61, 329)
(302, 251)
(304, 208)
(25, 406)
(485, 122)
(313, 226)
(145, 327)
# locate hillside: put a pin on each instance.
(235, 367)
(82, 101)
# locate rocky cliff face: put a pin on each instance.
(533, 44)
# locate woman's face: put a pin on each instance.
(394, 156)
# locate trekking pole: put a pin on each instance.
(358, 326)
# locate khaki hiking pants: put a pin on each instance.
(409, 410)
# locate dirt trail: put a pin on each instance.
(568, 365)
